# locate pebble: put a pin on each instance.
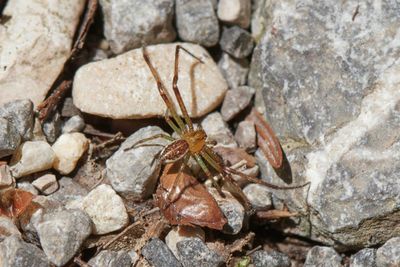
(323, 256)
(259, 196)
(124, 88)
(245, 135)
(150, 24)
(106, 209)
(217, 130)
(22, 72)
(197, 22)
(6, 179)
(263, 258)
(31, 157)
(15, 252)
(388, 255)
(8, 228)
(158, 254)
(52, 128)
(236, 12)
(69, 148)
(20, 114)
(134, 173)
(193, 252)
(73, 124)
(109, 258)
(364, 258)
(232, 210)
(46, 184)
(62, 233)
(235, 101)
(27, 186)
(182, 232)
(68, 108)
(68, 190)
(9, 138)
(237, 42)
(234, 70)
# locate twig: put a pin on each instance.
(48, 106)
(248, 253)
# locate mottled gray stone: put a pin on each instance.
(263, 258)
(237, 42)
(130, 24)
(9, 138)
(330, 86)
(236, 100)
(133, 173)
(62, 233)
(52, 128)
(218, 130)
(73, 124)
(20, 114)
(69, 109)
(389, 254)
(364, 258)
(15, 252)
(68, 190)
(245, 135)
(158, 254)
(193, 253)
(258, 195)
(322, 257)
(197, 22)
(234, 70)
(7, 228)
(182, 232)
(109, 258)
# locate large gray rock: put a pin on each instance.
(68, 190)
(20, 114)
(389, 254)
(130, 24)
(9, 138)
(196, 22)
(364, 258)
(334, 105)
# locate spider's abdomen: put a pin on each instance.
(174, 151)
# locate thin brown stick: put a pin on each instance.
(80, 262)
(48, 106)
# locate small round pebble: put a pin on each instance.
(236, 42)
(182, 232)
(158, 254)
(263, 258)
(258, 195)
(323, 256)
(73, 124)
(193, 252)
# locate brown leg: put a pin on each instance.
(149, 139)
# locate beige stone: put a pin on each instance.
(236, 12)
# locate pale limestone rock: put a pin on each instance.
(6, 179)
(31, 157)
(69, 148)
(35, 43)
(46, 184)
(235, 12)
(123, 87)
(217, 130)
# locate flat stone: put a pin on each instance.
(73, 124)
(197, 22)
(6, 178)
(388, 255)
(24, 49)
(182, 232)
(69, 148)
(108, 258)
(245, 135)
(106, 209)
(193, 252)
(27, 186)
(235, 101)
(234, 70)
(31, 157)
(364, 258)
(69, 190)
(124, 88)
(15, 252)
(134, 173)
(236, 12)
(335, 112)
(62, 233)
(52, 128)
(258, 195)
(151, 24)
(237, 42)
(8, 228)
(319, 256)
(9, 138)
(46, 184)
(263, 258)
(217, 130)
(68, 108)
(20, 114)
(158, 254)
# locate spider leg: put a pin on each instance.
(161, 135)
(171, 123)
(175, 86)
(208, 174)
(163, 91)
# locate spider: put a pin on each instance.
(192, 142)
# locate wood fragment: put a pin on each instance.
(275, 214)
(50, 104)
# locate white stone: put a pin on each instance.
(69, 148)
(217, 130)
(258, 195)
(35, 43)
(123, 87)
(46, 184)
(106, 209)
(180, 233)
(31, 157)
(236, 12)
(6, 179)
